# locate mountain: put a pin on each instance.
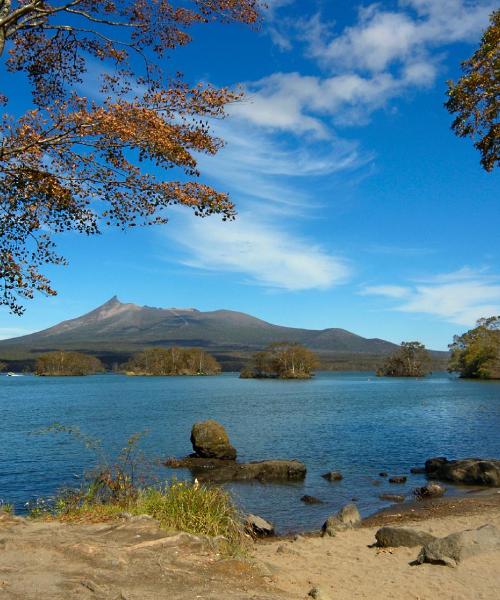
(115, 330)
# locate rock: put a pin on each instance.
(383, 474)
(258, 526)
(431, 490)
(376, 482)
(215, 470)
(347, 518)
(311, 500)
(456, 547)
(317, 594)
(286, 549)
(333, 476)
(210, 440)
(394, 537)
(474, 471)
(417, 470)
(398, 479)
(392, 497)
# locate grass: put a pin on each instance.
(177, 506)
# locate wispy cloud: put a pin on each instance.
(459, 297)
(261, 252)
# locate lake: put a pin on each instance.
(352, 422)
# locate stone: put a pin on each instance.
(333, 476)
(392, 497)
(472, 471)
(219, 471)
(258, 526)
(347, 518)
(317, 594)
(454, 548)
(431, 490)
(394, 537)
(417, 470)
(383, 474)
(210, 440)
(311, 500)
(286, 549)
(398, 479)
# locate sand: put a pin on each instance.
(135, 560)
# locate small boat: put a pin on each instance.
(11, 374)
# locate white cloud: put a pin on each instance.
(460, 297)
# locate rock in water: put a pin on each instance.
(417, 470)
(333, 476)
(258, 526)
(347, 518)
(431, 490)
(394, 537)
(392, 497)
(398, 479)
(311, 500)
(210, 440)
(475, 471)
(456, 547)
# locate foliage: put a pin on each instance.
(282, 360)
(476, 353)
(6, 507)
(3, 366)
(67, 363)
(172, 361)
(78, 161)
(124, 485)
(475, 97)
(411, 360)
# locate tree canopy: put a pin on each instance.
(106, 128)
(475, 97)
(3, 366)
(67, 363)
(282, 360)
(476, 353)
(410, 360)
(172, 361)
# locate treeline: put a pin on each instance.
(172, 361)
(282, 360)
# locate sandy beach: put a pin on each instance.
(135, 560)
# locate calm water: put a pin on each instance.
(351, 422)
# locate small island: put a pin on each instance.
(410, 360)
(61, 364)
(476, 353)
(282, 360)
(172, 361)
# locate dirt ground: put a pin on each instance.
(135, 560)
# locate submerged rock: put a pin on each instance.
(210, 440)
(394, 537)
(431, 490)
(454, 548)
(258, 526)
(474, 471)
(311, 500)
(333, 476)
(417, 470)
(392, 497)
(347, 518)
(398, 479)
(383, 474)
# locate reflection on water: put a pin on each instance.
(352, 422)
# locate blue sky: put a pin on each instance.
(358, 207)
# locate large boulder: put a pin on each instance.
(473, 471)
(394, 537)
(347, 518)
(210, 440)
(456, 547)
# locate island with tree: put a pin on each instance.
(282, 360)
(476, 353)
(410, 360)
(172, 361)
(60, 363)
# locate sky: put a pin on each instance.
(357, 205)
